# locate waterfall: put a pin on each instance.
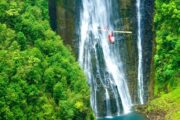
(140, 61)
(101, 60)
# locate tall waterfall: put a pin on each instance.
(140, 61)
(102, 60)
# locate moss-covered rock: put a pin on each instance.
(166, 107)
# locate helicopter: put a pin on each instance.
(110, 35)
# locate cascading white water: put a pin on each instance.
(108, 104)
(140, 62)
(101, 60)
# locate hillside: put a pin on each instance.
(39, 77)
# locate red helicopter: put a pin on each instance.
(111, 37)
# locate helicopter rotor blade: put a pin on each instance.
(116, 31)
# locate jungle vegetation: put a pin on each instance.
(167, 58)
(39, 76)
(167, 61)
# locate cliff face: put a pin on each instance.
(127, 11)
(62, 17)
(129, 19)
(149, 47)
(67, 12)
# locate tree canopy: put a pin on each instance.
(39, 77)
(167, 59)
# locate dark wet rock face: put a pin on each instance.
(65, 20)
(62, 17)
(128, 19)
(52, 14)
(127, 11)
(148, 44)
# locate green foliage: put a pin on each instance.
(168, 104)
(167, 59)
(39, 77)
